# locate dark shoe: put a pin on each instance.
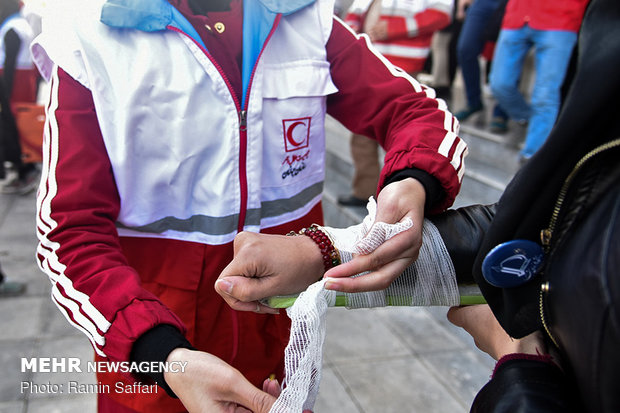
(464, 114)
(499, 125)
(350, 200)
(11, 289)
(22, 186)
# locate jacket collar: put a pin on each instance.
(155, 15)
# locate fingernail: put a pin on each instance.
(330, 285)
(225, 286)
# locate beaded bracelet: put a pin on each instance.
(331, 256)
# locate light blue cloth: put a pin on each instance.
(552, 53)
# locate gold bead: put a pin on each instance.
(545, 287)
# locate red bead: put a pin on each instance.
(328, 252)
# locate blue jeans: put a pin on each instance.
(470, 44)
(552, 53)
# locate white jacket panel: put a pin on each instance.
(172, 131)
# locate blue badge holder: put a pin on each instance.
(512, 263)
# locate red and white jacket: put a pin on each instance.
(410, 23)
(151, 165)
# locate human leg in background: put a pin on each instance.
(440, 65)
(26, 178)
(470, 44)
(553, 50)
(499, 121)
(510, 52)
(365, 154)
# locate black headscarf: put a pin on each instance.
(589, 117)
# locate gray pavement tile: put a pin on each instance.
(13, 407)
(333, 396)
(20, 253)
(22, 212)
(6, 204)
(23, 320)
(26, 271)
(79, 404)
(360, 334)
(418, 329)
(439, 314)
(11, 353)
(396, 386)
(463, 373)
(55, 324)
(64, 347)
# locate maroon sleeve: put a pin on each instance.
(379, 100)
(78, 203)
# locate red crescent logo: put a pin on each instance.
(289, 133)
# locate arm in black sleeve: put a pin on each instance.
(155, 345)
(527, 386)
(462, 231)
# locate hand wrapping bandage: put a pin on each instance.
(431, 280)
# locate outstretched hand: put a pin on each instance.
(267, 265)
(397, 201)
(210, 385)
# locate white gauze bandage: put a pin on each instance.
(431, 280)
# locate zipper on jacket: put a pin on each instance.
(242, 113)
(547, 234)
(243, 120)
(243, 123)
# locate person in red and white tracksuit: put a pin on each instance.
(402, 31)
(174, 125)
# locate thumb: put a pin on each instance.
(458, 315)
(256, 400)
(246, 289)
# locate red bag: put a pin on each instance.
(30, 119)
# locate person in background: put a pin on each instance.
(401, 32)
(19, 80)
(550, 28)
(441, 63)
(480, 17)
(173, 126)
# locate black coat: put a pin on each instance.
(589, 117)
(575, 298)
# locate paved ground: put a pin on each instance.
(376, 361)
(380, 360)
